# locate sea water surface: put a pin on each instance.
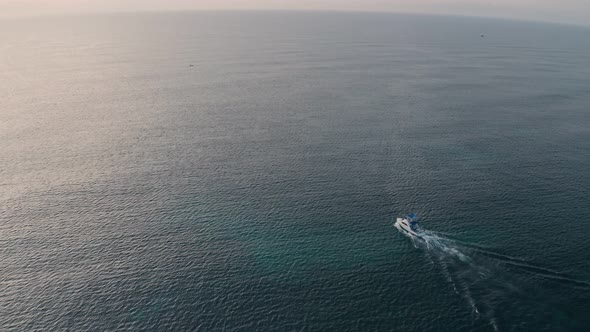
(240, 172)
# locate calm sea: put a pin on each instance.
(240, 172)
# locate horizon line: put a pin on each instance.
(270, 10)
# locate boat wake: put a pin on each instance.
(485, 278)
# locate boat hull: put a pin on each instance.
(408, 232)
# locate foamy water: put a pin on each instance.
(481, 276)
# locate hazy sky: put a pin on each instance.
(567, 11)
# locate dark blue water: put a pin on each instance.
(255, 189)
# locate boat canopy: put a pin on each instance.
(411, 216)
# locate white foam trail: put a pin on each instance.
(458, 268)
(451, 247)
(435, 242)
(485, 277)
(494, 325)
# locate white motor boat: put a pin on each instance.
(410, 226)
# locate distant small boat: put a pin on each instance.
(410, 226)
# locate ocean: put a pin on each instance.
(241, 171)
